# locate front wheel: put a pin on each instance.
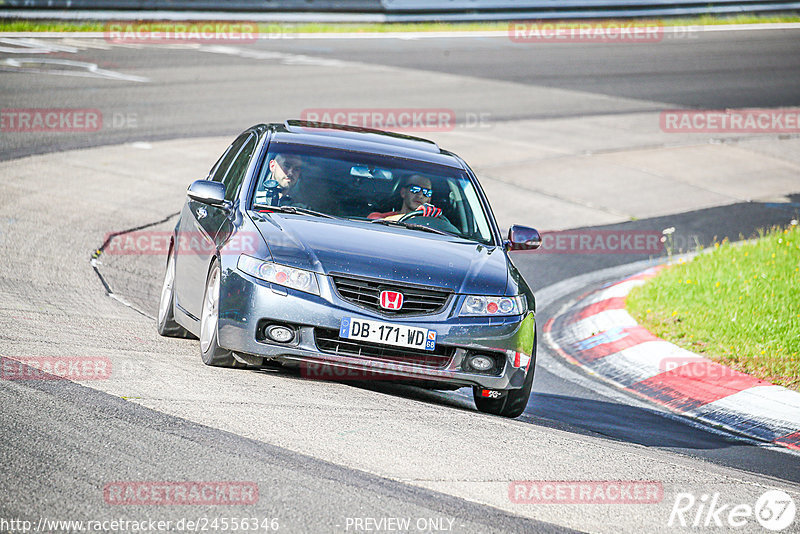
(167, 326)
(508, 402)
(210, 351)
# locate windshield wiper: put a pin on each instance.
(413, 226)
(294, 209)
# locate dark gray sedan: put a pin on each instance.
(352, 254)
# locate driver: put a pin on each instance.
(285, 171)
(414, 194)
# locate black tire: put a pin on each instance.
(512, 403)
(210, 351)
(165, 322)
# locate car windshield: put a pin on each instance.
(370, 188)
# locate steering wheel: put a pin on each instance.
(426, 210)
(410, 215)
(439, 223)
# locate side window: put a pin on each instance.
(227, 158)
(233, 180)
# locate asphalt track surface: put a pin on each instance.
(715, 70)
(62, 441)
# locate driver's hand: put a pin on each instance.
(429, 210)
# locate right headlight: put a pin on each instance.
(279, 274)
(480, 305)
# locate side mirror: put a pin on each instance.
(523, 238)
(208, 192)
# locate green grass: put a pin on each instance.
(14, 25)
(737, 305)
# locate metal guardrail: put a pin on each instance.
(411, 10)
(550, 9)
(560, 5)
(476, 10)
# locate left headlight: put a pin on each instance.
(492, 306)
(279, 274)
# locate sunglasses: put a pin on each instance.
(414, 189)
(290, 166)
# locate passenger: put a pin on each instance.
(414, 195)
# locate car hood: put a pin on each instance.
(375, 251)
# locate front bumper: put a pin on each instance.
(247, 303)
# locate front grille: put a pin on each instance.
(417, 300)
(328, 340)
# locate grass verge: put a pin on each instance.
(737, 305)
(15, 25)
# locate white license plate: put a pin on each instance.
(388, 333)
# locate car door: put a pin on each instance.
(197, 237)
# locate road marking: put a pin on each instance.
(283, 58)
(77, 68)
(32, 46)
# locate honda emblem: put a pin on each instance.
(391, 300)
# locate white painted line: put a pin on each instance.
(283, 58)
(18, 50)
(750, 27)
(78, 68)
(85, 43)
(36, 43)
(32, 46)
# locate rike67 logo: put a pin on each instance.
(774, 510)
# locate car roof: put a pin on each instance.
(361, 140)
